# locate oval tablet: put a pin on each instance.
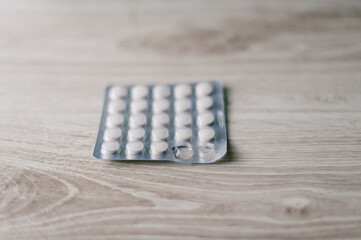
(204, 103)
(203, 89)
(138, 106)
(183, 134)
(205, 118)
(158, 147)
(182, 105)
(109, 148)
(116, 106)
(137, 120)
(117, 92)
(136, 134)
(113, 134)
(139, 91)
(115, 120)
(134, 147)
(161, 105)
(206, 134)
(161, 91)
(159, 134)
(161, 119)
(182, 120)
(182, 91)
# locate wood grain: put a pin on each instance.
(292, 72)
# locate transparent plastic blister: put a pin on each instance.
(176, 122)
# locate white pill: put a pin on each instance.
(203, 89)
(206, 134)
(134, 147)
(109, 148)
(138, 106)
(205, 118)
(139, 91)
(157, 148)
(161, 105)
(137, 120)
(115, 120)
(136, 134)
(182, 91)
(116, 106)
(183, 134)
(182, 120)
(159, 134)
(117, 92)
(112, 134)
(182, 105)
(204, 103)
(161, 119)
(161, 91)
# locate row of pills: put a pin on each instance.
(161, 91)
(160, 105)
(162, 119)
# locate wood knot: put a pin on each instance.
(296, 205)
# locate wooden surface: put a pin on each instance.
(292, 70)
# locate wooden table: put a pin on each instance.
(292, 73)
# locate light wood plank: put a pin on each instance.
(292, 72)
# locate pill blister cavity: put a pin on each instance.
(138, 106)
(182, 91)
(135, 134)
(203, 89)
(158, 148)
(139, 92)
(205, 118)
(161, 105)
(183, 151)
(115, 120)
(183, 134)
(110, 147)
(206, 134)
(113, 134)
(183, 120)
(204, 103)
(116, 106)
(117, 92)
(207, 151)
(161, 119)
(137, 120)
(182, 105)
(159, 134)
(161, 91)
(134, 148)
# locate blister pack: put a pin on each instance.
(181, 123)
